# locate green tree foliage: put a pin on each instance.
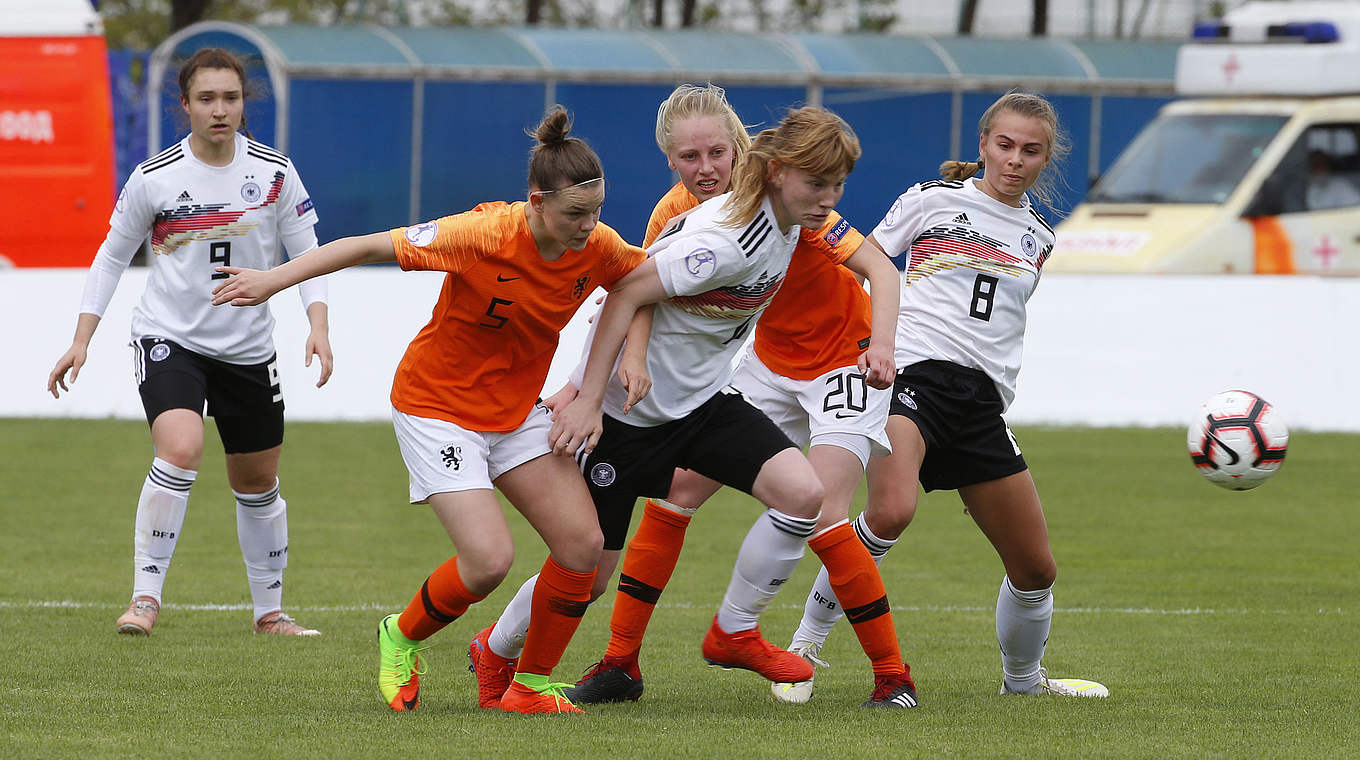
(142, 24)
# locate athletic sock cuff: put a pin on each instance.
(1027, 598)
(876, 546)
(666, 512)
(168, 477)
(835, 534)
(258, 499)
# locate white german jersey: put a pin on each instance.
(202, 217)
(972, 264)
(718, 280)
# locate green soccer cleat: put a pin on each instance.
(399, 667)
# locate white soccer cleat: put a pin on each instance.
(1063, 687)
(799, 692)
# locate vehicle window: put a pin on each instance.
(1187, 158)
(1332, 156)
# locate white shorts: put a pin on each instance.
(836, 409)
(444, 458)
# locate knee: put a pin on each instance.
(889, 513)
(581, 552)
(800, 496)
(185, 452)
(254, 483)
(1037, 574)
(483, 571)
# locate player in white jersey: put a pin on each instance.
(711, 274)
(975, 247)
(216, 198)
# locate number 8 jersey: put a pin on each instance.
(202, 217)
(972, 264)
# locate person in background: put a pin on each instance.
(217, 197)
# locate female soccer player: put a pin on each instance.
(464, 401)
(710, 265)
(216, 197)
(801, 371)
(975, 248)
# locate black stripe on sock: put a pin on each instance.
(434, 612)
(567, 607)
(638, 590)
(801, 528)
(876, 608)
(258, 500)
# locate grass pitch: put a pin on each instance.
(1225, 624)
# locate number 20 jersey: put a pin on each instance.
(972, 263)
(201, 217)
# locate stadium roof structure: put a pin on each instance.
(813, 60)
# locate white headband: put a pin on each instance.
(569, 187)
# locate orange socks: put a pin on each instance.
(859, 587)
(442, 598)
(561, 597)
(647, 567)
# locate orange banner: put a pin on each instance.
(56, 150)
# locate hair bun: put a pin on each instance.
(554, 128)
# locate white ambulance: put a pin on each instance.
(1258, 172)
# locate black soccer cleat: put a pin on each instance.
(894, 691)
(607, 681)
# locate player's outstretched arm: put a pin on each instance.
(873, 264)
(249, 287)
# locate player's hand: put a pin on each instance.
(877, 366)
(635, 380)
(245, 287)
(319, 345)
(560, 399)
(72, 360)
(577, 426)
(598, 301)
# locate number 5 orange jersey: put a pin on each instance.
(482, 359)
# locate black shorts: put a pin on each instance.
(725, 439)
(244, 399)
(958, 411)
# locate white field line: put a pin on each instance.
(377, 607)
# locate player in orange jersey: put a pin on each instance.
(464, 401)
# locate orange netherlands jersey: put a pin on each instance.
(819, 320)
(482, 360)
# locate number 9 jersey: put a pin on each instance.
(972, 264)
(201, 217)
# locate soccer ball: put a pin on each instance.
(1237, 440)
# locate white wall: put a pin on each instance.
(1101, 349)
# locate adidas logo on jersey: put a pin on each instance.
(184, 197)
(962, 219)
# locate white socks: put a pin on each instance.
(822, 609)
(507, 638)
(1022, 622)
(160, 517)
(262, 529)
(767, 558)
